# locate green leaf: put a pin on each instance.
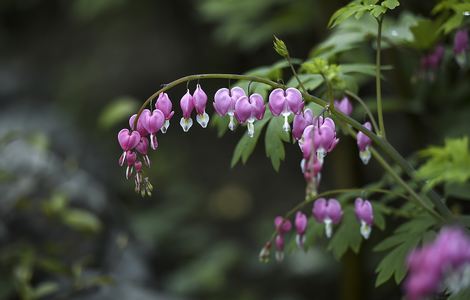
(81, 220)
(390, 4)
(378, 10)
(220, 123)
(309, 81)
(426, 33)
(246, 145)
(406, 237)
(379, 219)
(275, 136)
(117, 111)
(447, 164)
(457, 190)
(347, 236)
(346, 12)
(45, 289)
(394, 263)
(452, 23)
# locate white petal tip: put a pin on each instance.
(186, 124)
(365, 156)
(203, 120)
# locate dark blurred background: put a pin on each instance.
(71, 226)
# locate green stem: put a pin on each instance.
(308, 200)
(381, 143)
(366, 109)
(301, 85)
(378, 78)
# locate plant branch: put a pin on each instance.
(378, 79)
(378, 141)
(366, 109)
(294, 72)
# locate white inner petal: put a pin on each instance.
(203, 119)
(365, 229)
(365, 156)
(328, 227)
(165, 126)
(186, 124)
(251, 128)
(231, 124)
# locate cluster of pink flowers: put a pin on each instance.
(327, 212)
(316, 135)
(441, 265)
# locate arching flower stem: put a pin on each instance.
(381, 143)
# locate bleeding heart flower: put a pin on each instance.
(363, 143)
(187, 106)
(140, 123)
(301, 223)
(344, 106)
(365, 214)
(286, 102)
(301, 121)
(200, 101)
(248, 110)
(153, 122)
(224, 103)
(127, 140)
(142, 148)
(164, 104)
(131, 158)
(461, 46)
(328, 212)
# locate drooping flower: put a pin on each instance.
(344, 106)
(321, 139)
(138, 175)
(301, 223)
(279, 242)
(187, 106)
(431, 62)
(127, 140)
(153, 122)
(140, 123)
(248, 110)
(441, 265)
(224, 103)
(164, 104)
(200, 101)
(286, 102)
(131, 158)
(365, 215)
(461, 46)
(363, 143)
(328, 212)
(282, 227)
(265, 253)
(142, 148)
(301, 121)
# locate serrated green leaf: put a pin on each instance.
(447, 164)
(220, 123)
(346, 12)
(452, 23)
(246, 145)
(117, 111)
(405, 237)
(390, 4)
(347, 236)
(394, 263)
(275, 136)
(378, 10)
